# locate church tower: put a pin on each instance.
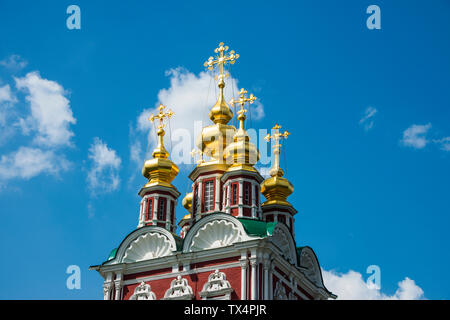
(159, 196)
(232, 244)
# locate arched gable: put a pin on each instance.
(282, 238)
(308, 260)
(145, 243)
(214, 231)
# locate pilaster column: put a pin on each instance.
(118, 286)
(228, 198)
(244, 265)
(154, 215)
(271, 269)
(107, 286)
(254, 208)
(241, 198)
(253, 263)
(217, 194)
(266, 267)
(199, 199)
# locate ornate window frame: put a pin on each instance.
(217, 287)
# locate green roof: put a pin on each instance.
(112, 255)
(257, 227)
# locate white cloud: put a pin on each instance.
(6, 95)
(46, 122)
(444, 143)
(51, 115)
(103, 175)
(28, 162)
(7, 101)
(367, 120)
(191, 97)
(14, 62)
(415, 136)
(351, 286)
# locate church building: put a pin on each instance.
(236, 239)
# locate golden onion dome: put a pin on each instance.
(160, 170)
(215, 138)
(241, 151)
(187, 202)
(276, 189)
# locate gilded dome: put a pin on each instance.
(187, 202)
(160, 170)
(276, 189)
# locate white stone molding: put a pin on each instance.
(266, 268)
(241, 198)
(217, 287)
(215, 234)
(154, 215)
(144, 243)
(179, 290)
(214, 231)
(217, 194)
(282, 239)
(244, 265)
(253, 264)
(280, 292)
(118, 283)
(309, 261)
(148, 246)
(107, 288)
(143, 292)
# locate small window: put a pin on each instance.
(234, 193)
(247, 193)
(149, 209)
(194, 203)
(209, 195)
(161, 209)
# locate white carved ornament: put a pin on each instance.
(280, 292)
(179, 290)
(143, 292)
(215, 234)
(148, 246)
(281, 240)
(312, 271)
(216, 286)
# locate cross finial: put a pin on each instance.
(221, 60)
(276, 137)
(161, 116)
(160, 151)
(242, 101)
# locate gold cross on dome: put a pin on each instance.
(243, 100)
(161, 116)
(276, 137)
(221, 60)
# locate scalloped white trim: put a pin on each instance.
(148, 246)
(215, 234)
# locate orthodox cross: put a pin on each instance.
(161, 116)
(276, 137)
(243, 100)
(221, 60)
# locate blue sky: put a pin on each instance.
(368, 111)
